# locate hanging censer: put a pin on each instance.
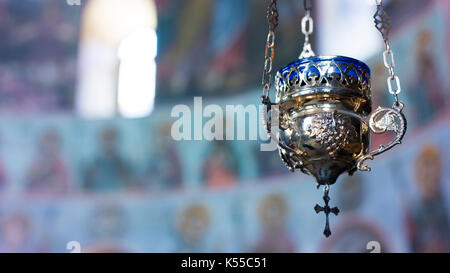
(319, 115)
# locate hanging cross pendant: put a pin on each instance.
(327, 210)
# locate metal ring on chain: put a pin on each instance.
(391, 62)
(307, 24)
(307, 27)
(398, 88)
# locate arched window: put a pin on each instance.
(137, 73)
(116, 69)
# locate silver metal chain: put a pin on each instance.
(272, 19)
(383, 24)
(386, 119)
(307, 25)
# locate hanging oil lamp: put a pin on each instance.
(321, 106)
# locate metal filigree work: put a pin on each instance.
(382, 21)
(328, 72)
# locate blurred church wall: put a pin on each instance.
(120, 184)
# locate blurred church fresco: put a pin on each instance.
(124, 185)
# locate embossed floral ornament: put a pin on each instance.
(333, 131)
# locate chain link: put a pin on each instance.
(307, 26)
(383, 24)
(272, 19)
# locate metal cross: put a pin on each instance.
(327, 210)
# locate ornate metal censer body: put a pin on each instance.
(322, 103)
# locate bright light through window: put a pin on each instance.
(137, 73)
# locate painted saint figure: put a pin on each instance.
(221, 168)
(15, 233)
(429, 224)
(164, 169)
(275, 237)
(109, 171)
(426, 91)
(192, 227)
(48, 172)
(108, 226)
